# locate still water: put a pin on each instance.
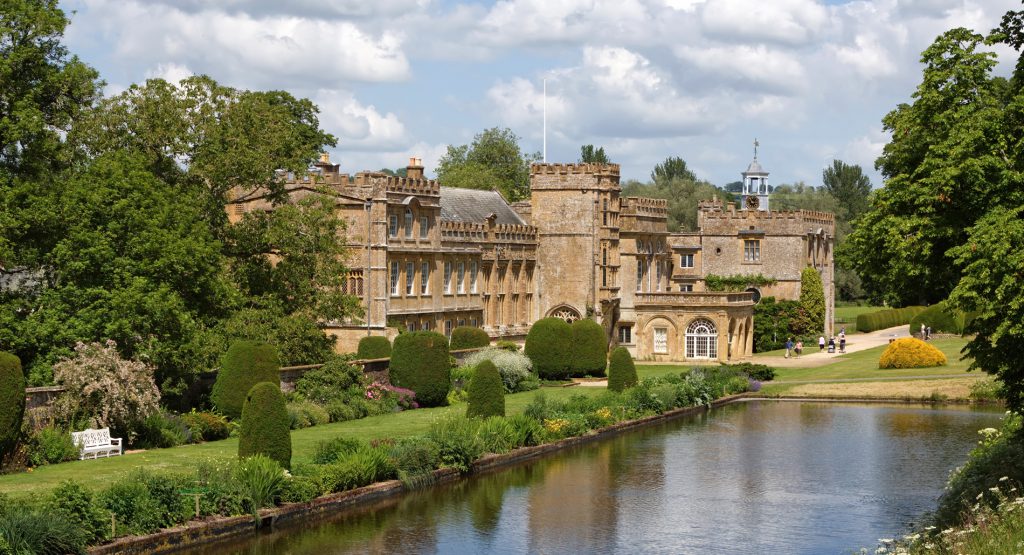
(751, 477)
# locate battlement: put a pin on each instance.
(403, 185)
(809, 216)
(478, 232)
(643, 206)
(513, 232)
(610, 170)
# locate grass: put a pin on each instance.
(100, 473)
(847, 316)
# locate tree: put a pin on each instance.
(672, 168)
(683, 196)
(12, 403)
(588, 155)
(419, 361)
(812, 303)
(492, 161)
(265, 426)
(849, 186)
(245, 364)
(486, 392)
(621, 370)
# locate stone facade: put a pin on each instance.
(426, 257)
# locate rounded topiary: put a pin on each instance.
(589, 348)
(246, 364)
(909, 352)
(12, 402)
(419, 361)
(468, 337)
(621, 370)
(265, 425)
(486, 392)
(373, 346)
(549, 346)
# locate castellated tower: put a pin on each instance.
(575, 209)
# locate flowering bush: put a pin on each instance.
(390, 397)
(909, 352)
(515, 368)
(104, 390)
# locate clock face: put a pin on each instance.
(752, 201)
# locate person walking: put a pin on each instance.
(821, 343)
(923, 336)
(799, 347)
(789, 346)
(928, 333)
(832, 344)
(842, 342)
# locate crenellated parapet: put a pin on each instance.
(515, 233)
(642, 206)
(482, 232)
(712, 212)
(575, 169)
(398, 185)
(574, 177)
(463, 231)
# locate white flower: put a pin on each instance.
(1004, 478)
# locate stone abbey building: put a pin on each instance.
(427, 257)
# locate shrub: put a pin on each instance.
(457, 442)
(303, 414)
(336, 379)
(299, 489)
(373, 346)
(909, 352)
(889, 318)
(265, 425)
(262, 479)
(498, 435)
(515, 368)
(365, 466)
(589, 348)
(162, 430)
(621, 370)
(528, 431)
(486, 392)
(414, 459)
(51, 446)
(75, 504)
(774, 321)
(812, 303)
(466, 337)
(506, 345)
(245, 364)
(941, 318)
(12, 402)
(135, 509)
(759, 372)
(206, 426)
(419, 361)
(549, 346)
(105, 390)
(26, 530)
(332, 450)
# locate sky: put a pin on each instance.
(698, 79)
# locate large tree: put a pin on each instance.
(494, 160)
(591, 155)
(849, 186)
(673, 181)
(672, 168)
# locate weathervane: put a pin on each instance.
(756, 144)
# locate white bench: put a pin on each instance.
(93, 444)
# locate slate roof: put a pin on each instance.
(755, 167)
(471, 205)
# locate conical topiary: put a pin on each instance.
(12, 402)
(246, 364)
(486, 392)
(265, 425)
(621, 370)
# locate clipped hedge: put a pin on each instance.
(12, 402)
(468, 337)
(245, 364)
(419, 361)
(908, 352)
(889, 318)
(941, 318)
(486, 392)
(549, 346)
(373, 346)
(621, 370)
(589, 348)
(266, 426)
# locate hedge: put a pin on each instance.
(419, 361)
(621, 370)
(373, 346)
(549, 346)
(245, 364)
(12, 402)
(266, 425)
(589, 348)
(908, 352)
(941, 318)
(468, 337)
(486, 392)
(889, 318)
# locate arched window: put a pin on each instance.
(567, 313)
(701, 339)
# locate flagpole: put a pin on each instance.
(545, 131)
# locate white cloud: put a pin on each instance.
(781, 21)
(358, 126)
(170, 72)
(867, 56)
(757, 67)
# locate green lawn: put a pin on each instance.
(102, 472)
(846, 316)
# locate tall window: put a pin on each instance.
(394, 279)
(448, 277)
(751, 250)
(626, 334)
(448, 328)
(461, 283)
(472, 276)
(424, 226)
(686, 260)
(408, 222)
(410, 277)
(604, 216)
(639, 275)
(701, 339)
(660, 341)
(424, 278)
(393, 225)
(660, 274)
(473, 322)
(462, 322)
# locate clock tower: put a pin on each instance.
(755, 185)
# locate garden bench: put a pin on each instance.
(93, 443)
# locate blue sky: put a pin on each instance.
(644, 79)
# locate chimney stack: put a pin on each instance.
(415, 168)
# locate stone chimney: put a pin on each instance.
(415, 168)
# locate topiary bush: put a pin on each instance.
(419, 361)
(889, 318)
(373, 346)
(245, 364)
(589, 348)
(265, 425)
(941, 318)
(909, 352)
(621, 370)
(12, 402)
(486, 392)
(467, 337)
(812, 303)
(549, 346)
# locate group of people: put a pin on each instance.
(926, 332)
(797, 348)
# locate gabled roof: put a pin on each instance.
(472, 205)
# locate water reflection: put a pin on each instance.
(764, 477)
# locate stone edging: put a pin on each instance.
(216, 529)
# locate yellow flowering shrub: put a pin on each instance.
(909, 352)
(555, 425)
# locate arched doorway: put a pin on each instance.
(701, 339)
(565, 312)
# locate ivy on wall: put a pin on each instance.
(736, 282)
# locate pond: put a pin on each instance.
(749, 477)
